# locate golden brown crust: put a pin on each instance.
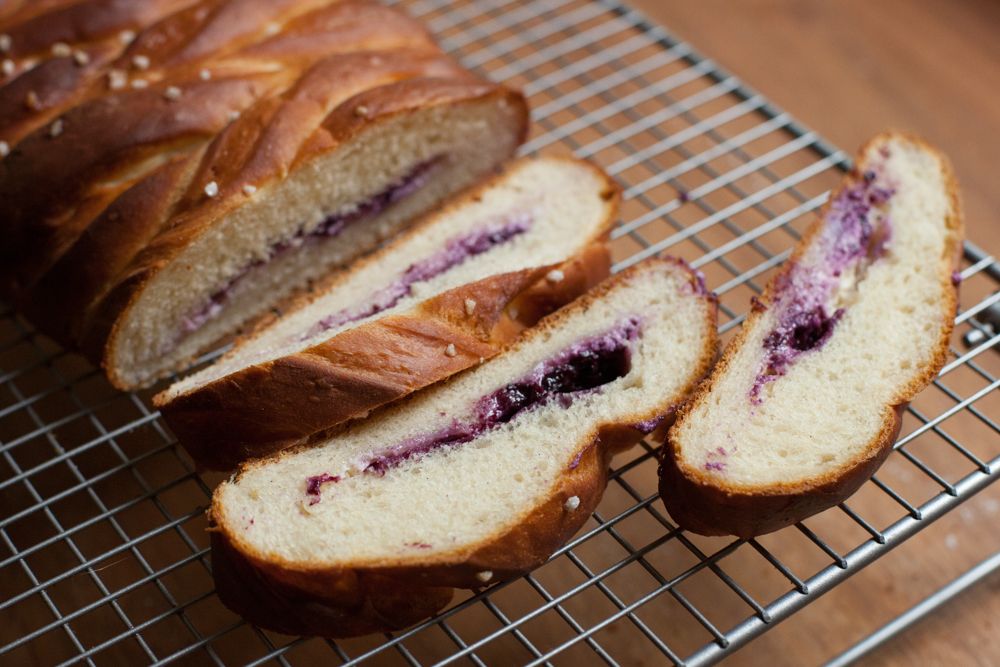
(286, 65)
(109, 34)
(76, 281)
(710, 509)
(353, 604)
(171, 34)
(38, 24)
(529, 543)
(700, 503)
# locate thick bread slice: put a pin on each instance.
(807, 399)
(162, 193)
(472, 481)
(431, 303)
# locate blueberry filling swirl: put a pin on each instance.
(456, 251)
(856, 234)
(581, 368)
(332, 226)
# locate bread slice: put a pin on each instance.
(233, 152)
(470, 482)
(431, 303)
(807, 399)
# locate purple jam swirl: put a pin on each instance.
(849, 235)
(717, 465)
(697, 285)
(418, 545)
(585, 366)
(330, 227)
(647, 426)
(315, 483)
(455, 252)
(849, 241)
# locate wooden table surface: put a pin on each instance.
(848, 69)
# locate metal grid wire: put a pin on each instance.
(104, 558)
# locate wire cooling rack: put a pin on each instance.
(103, 556)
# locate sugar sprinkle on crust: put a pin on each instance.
(4, 149)
(555, 276)
(117, 79)
(572, 503)
(470, 307)
(211, 189)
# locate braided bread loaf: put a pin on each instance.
(171, 170)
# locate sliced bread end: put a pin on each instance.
(761, 446)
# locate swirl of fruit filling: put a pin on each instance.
(330, 227)
(810, 299)
(456, 251)
(583, 367)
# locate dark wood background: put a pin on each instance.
(848, 69)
